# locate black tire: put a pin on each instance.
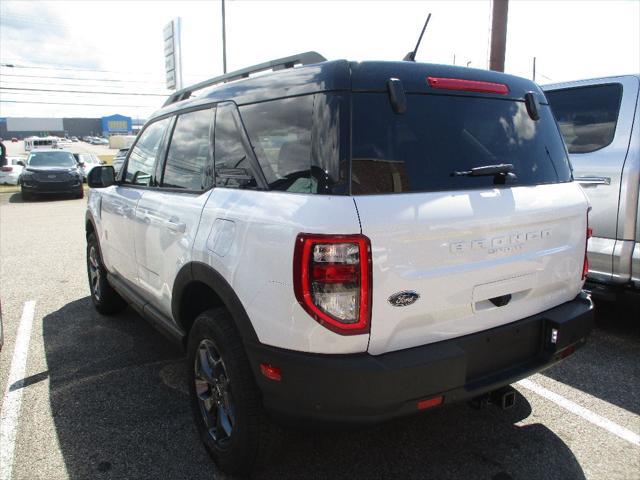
(105, 299)
(80, 194)
(254, 440)
(26, 196)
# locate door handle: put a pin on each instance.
(176, 226)
(593, 180)
(123, 210)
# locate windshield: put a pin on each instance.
(51, 159)
(441, 134)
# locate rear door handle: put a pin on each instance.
(593, 180)
(176, 226)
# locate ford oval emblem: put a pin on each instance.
(403, 299)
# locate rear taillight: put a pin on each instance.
(6, 169)
(332, 280)
(585, 265)
(467, 85)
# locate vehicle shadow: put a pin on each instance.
(17, 198)
(607, 366)
(119, 403)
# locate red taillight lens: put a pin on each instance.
(585, 265)
(332, 280)
(6, 169)
(467, 85)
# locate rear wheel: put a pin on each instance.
(106, 300)
(226, 401)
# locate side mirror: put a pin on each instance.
(21, 163)
(81, 164)
(101, 177)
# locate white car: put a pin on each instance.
(345, 242)
(87, 161)
(10, 173)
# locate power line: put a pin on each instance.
(81, 79)
(52, 67)
(80, 104)
(81, 91)
(18, 84)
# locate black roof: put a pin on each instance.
(336, 75)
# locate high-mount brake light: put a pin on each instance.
(585, 265)
(467, 85)
(332, 280)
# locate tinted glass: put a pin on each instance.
(298, 142)
(440, 134)
(587, 116)
(189, 152)
(232, 166)
(280, 132)
(143, 156)
(51, 159)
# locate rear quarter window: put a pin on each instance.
(438, 135)
(587, 116)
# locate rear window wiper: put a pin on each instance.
(500, 172)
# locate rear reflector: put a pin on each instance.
(567, 351)
(430, 402)
(271, 372)
(467, 85)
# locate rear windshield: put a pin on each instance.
(438, 135)
(587, 116)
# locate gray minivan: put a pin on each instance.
(599, 120)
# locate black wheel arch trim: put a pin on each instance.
(201, 272)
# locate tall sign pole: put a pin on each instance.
(498, 34)
(224, 41)
(173, 54)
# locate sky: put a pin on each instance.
(117, 46)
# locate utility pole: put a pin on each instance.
(534, 69)
(224, 42)
(499, 15)
(454, 58)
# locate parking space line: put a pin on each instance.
(12, 400)
(586, 414)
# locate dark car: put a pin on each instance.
(51, 172)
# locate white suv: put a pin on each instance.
(345, 242)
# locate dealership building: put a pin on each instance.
(20, 128)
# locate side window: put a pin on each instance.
(587, 116)
(280, 132)
(232, 166)
(189, 155)
(139, 168)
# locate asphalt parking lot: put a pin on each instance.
(105, 397)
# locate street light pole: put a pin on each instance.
(224, 42)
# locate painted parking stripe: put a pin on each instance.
(12, 400)
(576, 409)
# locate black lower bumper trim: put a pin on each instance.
(362, 388)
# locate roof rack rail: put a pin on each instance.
(305, 58)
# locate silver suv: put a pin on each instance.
(598, 119)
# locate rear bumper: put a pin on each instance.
(362, 388)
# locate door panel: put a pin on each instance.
(611, 193)
(165, 228)
(118, 214)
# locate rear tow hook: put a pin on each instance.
(504, 398)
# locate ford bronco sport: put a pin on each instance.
(345, 242)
